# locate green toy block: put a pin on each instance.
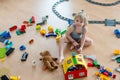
(95, 63)
(30, 20)
(18, 32)
(63, 32)
(118, 60)
(57, 31)
(3, 52)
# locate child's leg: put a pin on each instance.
(88, 42)
(61, 48)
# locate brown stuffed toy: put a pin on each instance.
(48, 60)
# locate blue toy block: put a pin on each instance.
(22, 47)
(2, 33)
(7, 35)
(6, 42)
(24, 56)
(4, 77)
(9, 45)
(117, 33)
(73, 53)
(48, 35)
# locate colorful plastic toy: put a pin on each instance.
(22, 47)
(116, 52)
(4, 77)
(3, 52)
(31, 41)
(14, 77)
(50, 29)
(24, 56)
(117, 33)
(13, 28)
(51, 34)
(38, 27)
(44, 20)
(74, 67)
(10, 51)
(58, 37)
(43, 32)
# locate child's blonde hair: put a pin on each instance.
(82, 15)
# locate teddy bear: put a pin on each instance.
(48, 60)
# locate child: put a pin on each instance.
(76, 35)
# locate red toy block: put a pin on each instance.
(90, 65)
(105, 73)
(13, 28)
(25, 22)
(114, 76)
(33, 19)
(22, 30)
(23, 27)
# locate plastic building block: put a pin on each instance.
(110, 22)
(38, 27)
(33, 19)
(51, 34)
(117, 33)
(4, 77)
(14, 77)
(114, 76)
(31, 41)
(115, 57)
(90, 65)
(18, 32)
(6, 35)
(2, 33)
(2, 52)
(22, 47)
(9, 45)
(13, 28)
(44, 20)
(24, 56)
(6, 42)
(63, 32)
(116, 52)
(117, 69)
(43, 32)
(58, 37)
(50, 29)
(10, 51)
(57, 31)
(33, 63)
(118, 60)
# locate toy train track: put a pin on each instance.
(103, 4)
(107, 22)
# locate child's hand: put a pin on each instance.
(75, 43)
(79, 50)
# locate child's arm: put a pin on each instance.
(68, 34)
(83, 38)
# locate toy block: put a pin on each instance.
(43, 32)
(58, 37)
(57, 31)
(23, 27)
(24, 56)
(63, 32)
(95, 63)
(25, 22)
(14, 77)
(50, 29)
(118, 60)
(49, 35)
(22, 47)
(2, 33)
(38, 27)
(31, 41)
(6, 35)
(2, 52)
(117, 69)
(18, 32)
(4, 77)
(6, 42)
(13, 28)
(2, 39)
(33, 63)
(90, 65)
(116, 52)
(115, 57)
(44, 18)
(33, 19)
(117, 33)
(9, 45)
(10, 51)
(114, 76)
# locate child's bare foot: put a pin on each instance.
(72, 47)
(61, 59)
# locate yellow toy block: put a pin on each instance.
(38, 27)
(14, 77)
(108, 69)
(43, 32)
(116, 52)
(58, 37)
(103, 77)
(50, 29)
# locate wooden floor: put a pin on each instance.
(14, 12)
